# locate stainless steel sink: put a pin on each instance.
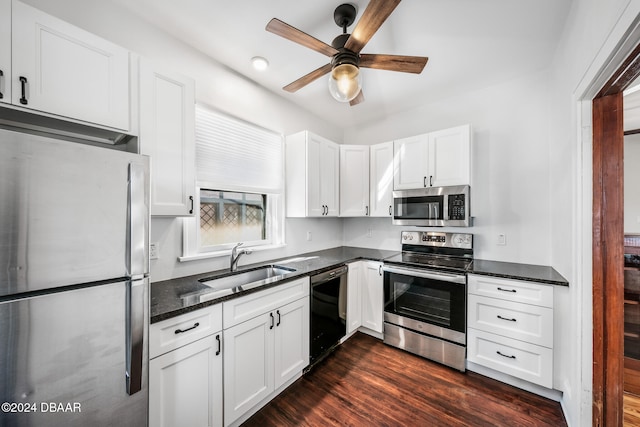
(231, 283)
(247, 279)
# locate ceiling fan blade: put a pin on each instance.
(374, 15)
(404, 64)
(305, 80)
(357, 100)
(285, 30)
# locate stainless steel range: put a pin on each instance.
(425, 291)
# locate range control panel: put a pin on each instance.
(436, 238)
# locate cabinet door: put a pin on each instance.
(5, 51)
(248, 365)
(354, 180)
(185, 386)
(330, 178)
(449, 156)
(291, 340)
(315, 204)
(411, 161)
(354, 297)
(372, 296)
(64, 70)
(167, 134)
(381, 179)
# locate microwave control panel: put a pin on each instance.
(457, 207)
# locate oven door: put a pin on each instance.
(426, 301)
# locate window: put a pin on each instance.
(240, 180)
(230, 217)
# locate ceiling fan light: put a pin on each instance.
(345, 82)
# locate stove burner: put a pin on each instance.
(442, 262)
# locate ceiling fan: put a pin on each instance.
(346, 59)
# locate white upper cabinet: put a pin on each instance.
(60, 69)
(354, 180)
(411, 162)
(5, 51)
(434, 159)
(381, 179)
(450, 156)
(312, 175)
(167, 134)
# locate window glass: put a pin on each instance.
(229, 217)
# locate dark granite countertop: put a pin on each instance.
(170, 298)
(511, 270)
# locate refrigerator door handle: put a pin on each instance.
(137, 231)
(135, 335)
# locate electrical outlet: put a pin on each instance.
(153, 251)
(369, 232)
(308, 236)
(502, 239)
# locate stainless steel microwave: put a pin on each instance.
(432, 207)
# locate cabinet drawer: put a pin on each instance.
(244, 308)
(511, 290)
(166, 336)
(524, 322)
(529, 362)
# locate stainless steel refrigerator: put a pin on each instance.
(74, 223)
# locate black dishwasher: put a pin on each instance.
(328, 311)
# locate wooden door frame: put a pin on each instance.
(608, 245)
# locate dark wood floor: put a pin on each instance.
(367, 383)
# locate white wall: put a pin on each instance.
(632, 184)
(510, 175)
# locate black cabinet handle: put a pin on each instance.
(504, 355)
(1, 79)
(390, 210)
(219, 345)
(366, 210)
(179, 331)
(507, 290)
(23, 84)
(272, 319)
(505, 318)
(191, 210)
(424, 181)
(380, 270)
(278, 312)
(431, 181)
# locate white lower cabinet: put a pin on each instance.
(365, 296)
(372, 296)
(354, 298)
(248, 366)
(185, 383)
(266, 351)
(510, 327)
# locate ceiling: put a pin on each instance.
(471, 44)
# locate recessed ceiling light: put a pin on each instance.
(259, 63)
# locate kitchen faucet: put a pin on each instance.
(235, 255)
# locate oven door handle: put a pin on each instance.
(425, 274)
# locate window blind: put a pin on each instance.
(234, 155)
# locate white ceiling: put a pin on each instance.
(471, 44)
